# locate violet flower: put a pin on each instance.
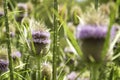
(92, 39)
(41, 40)
(16, 54)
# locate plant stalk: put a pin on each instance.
(39, 67)
(8, 40)
(94, 73)
(55, 41)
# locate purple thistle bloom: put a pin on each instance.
(92, 39)
(90, 31)
(3, 65)
(40, 39)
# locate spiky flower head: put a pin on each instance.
(40, 37)
(94, 17)
(91, 33)
(46, 71)
(3, 60)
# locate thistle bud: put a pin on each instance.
(92, 33)
(46, 71)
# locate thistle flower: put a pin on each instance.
(40, 38)
(3, 60)
(72, 76)
(3, 65)
(46, 71)
(23, 12)
(16, 54)
(91, 34)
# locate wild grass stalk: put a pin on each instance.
(8, 40)
(55, 41)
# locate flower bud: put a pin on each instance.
(46, 71)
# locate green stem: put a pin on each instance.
(94, 73)
(39, 67)
(26, 66)
(96, 4)
(55, 41)
(8, 41)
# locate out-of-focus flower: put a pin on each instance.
(22, 8)
(46, 71)
(91, 34)
(72, 76)
(16, 54)
(3, 65)
(3, 60)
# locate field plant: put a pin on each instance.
(59, 39)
